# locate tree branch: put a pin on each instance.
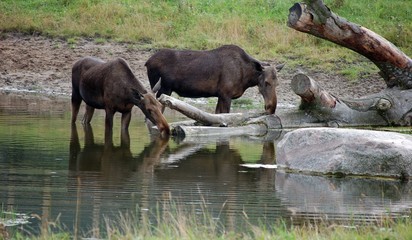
(316, 19)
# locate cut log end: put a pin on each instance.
(294, 14)
(383, 104)
(310, 93)
(301, 83)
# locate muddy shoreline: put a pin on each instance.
(42, 66)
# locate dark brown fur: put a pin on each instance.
(225, 72)
(113, 87)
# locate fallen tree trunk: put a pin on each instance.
(389, 107)
(317, 19)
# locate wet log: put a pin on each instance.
(317, 19)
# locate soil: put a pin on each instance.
(42, 65)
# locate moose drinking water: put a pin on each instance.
(225, 73)
(113, 87)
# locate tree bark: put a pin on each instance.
(317, 19)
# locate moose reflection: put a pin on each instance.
(115, 163)
(181, 173)
(97, 171)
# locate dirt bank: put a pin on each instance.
(43, 65)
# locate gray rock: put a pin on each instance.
(346, 152)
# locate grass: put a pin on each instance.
(259, 26)
(243, 103)
(175, 223)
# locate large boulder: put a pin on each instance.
(346, 152)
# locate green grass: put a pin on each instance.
(259, 26)
(243, 103)
(175, 223)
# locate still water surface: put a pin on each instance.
(51, 171)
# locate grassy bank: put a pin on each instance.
(259, 26)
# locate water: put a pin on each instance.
(52, 172)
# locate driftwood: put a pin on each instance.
(390, 107)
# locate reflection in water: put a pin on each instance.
(114, 165)
(268, 153)
(112, 161)
(194, 175)
(342, 199)
(50, 172)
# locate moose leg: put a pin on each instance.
(223, 105)
(109, 119)
(167, 92)
(88, 115)
(108, 139)
(88, 135)
(75, 108)
(125, 138)
(126, 120)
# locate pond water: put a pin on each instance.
(53, 172)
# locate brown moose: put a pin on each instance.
(225, 72)
(113, 87)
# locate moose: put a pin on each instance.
(112, 86)
(225, 72)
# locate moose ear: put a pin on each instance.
(258, 66)
(138, 95)
(157, 86)
(279, 67)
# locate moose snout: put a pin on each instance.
(164, 130)
(270, 108)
